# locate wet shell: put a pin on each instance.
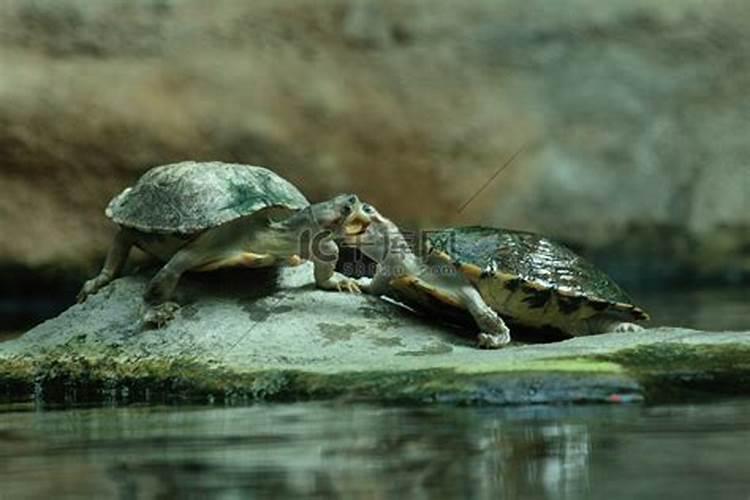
(528, 278)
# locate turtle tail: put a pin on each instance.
(621, 310)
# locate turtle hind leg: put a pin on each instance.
(159, 309)
(113, 265)
(494, 333)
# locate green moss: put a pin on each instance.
(62, 378)
(16, 381)
(552, 365)
(666, 372)
(447, 386)
(82, 379)
(673, 371)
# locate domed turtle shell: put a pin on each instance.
(189, 197)
(531, 279)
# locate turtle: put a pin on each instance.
(494, 274)
(201, 216)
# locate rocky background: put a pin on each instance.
(633, 117)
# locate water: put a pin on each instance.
(355, 451)
(713, 309)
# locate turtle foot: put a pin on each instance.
(348, 285)
(90, 288)
(158, 316)
(494, 332)
(625, 328)
(487, 341)
(365, 284)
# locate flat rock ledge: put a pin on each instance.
(246, 336)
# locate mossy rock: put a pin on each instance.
(269, 340)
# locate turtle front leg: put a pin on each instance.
(113, 265)
(494, 333)
(324, 259)
(377, 285)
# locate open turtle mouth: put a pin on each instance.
(353, 232)
(355, 228)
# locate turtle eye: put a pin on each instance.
(368, 209)
(352, 200)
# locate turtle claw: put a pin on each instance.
(339, 282)
(364, 284)
(626, 328)
(348, 285)
(90, 288)
(83, 295)
(158, 316)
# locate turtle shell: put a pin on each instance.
(189, 197)
(531, 279)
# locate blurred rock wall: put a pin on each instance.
(634, 116)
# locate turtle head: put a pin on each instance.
(368, 230)
(331, 215)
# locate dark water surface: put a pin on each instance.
(713, 309)
(354, 451)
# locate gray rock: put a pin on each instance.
(245, 336)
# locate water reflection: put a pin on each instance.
(355, 451)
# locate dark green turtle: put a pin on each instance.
(527, 279)
(204, 216)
